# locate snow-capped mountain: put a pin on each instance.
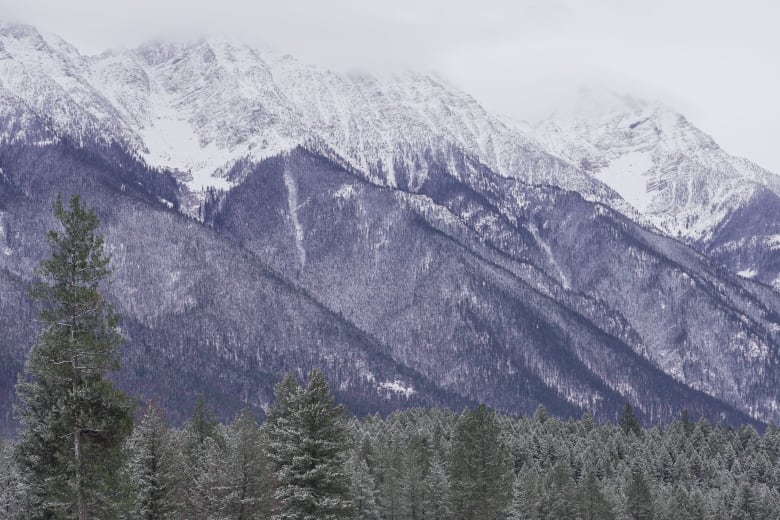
(392, 231)
(674, 174)
(199, 107)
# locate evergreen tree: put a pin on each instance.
(558, 497)
(199, 428)
(480, 467)
(436, 503)
(75, 422)
(526, 496)
(364, 493)
(308, 444)
(202, 445)
(156, 468)
(746, 504)
(248, 479)
(10, 485)
(593, 504)
(628, 421)
(209, 489)
(415, 465)
(639, 501)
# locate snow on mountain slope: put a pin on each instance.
(199, 107)
(669, 170)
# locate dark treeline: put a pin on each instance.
(309, 458)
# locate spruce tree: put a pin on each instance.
(308, 445)
(628, 421)
(202, 445)
(481, 475)
(156, 468)
(437, 491)
(558, 497)
(593, 504)
(247, 479)
(363, 487)
(639, 501)
(74, 421)
(11, 490)
(526, 499)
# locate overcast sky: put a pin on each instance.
(716, 61)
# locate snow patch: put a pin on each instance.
(396, 387)
(173, 143)
(345, 192)
(166, 202)
(546, 248)
(773, 242)
(748, 273)
(292, 202)
(625, 175)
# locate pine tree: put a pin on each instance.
(364, 493)
(209, 487)
(746, 504)
(639, 501)
(156, 468)
(308, 445)
(202, 446)
(480, 467)
(526, 496)
(75, 422)
(558, 498)
(629, 422)
(436, 487)
(247, 479)
(199, 428)
(415, 465)
(10, 485)
(593, 504)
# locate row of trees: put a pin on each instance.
(79, 454)
(309, 460)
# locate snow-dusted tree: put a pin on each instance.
(436, 491)
(593, 504)
(525, 496)
(628, 421)
(246, 487)
(11, 491)
(481, 475)
(415, 464)
(558, 495)
(308, 445)
(209, 485)
(639, 501)
(362, 486)
(156, 469)
(74, 421)
(202, 446)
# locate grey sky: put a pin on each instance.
(715, 61)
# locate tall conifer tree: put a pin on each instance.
(156, 468)
(308, 446)
(75, 422)
(480, 467)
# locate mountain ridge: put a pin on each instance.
(455, 259)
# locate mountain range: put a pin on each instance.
(266, 215)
